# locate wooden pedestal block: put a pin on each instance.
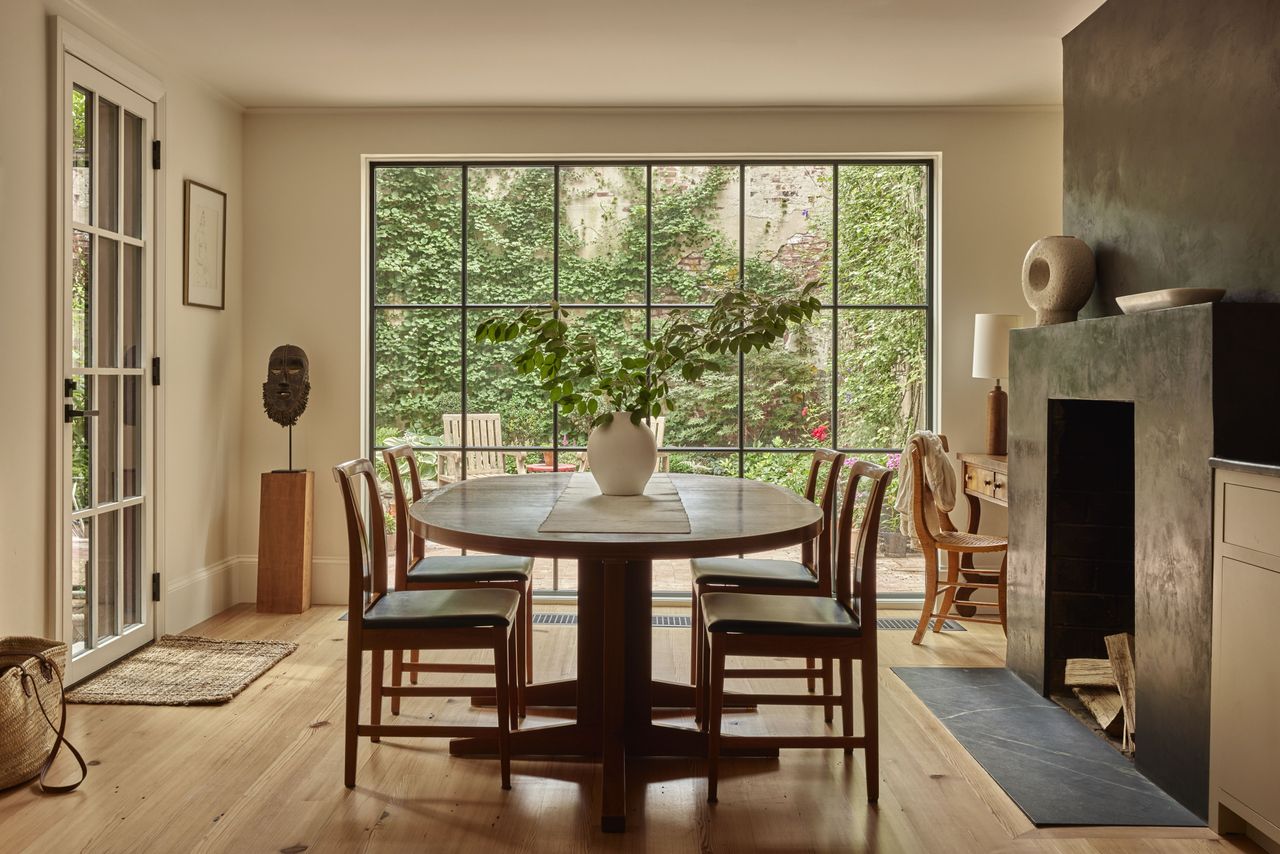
(284, 542)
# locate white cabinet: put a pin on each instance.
(1244, 764)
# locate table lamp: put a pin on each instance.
(991, 362)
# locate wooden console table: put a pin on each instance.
(984, 477)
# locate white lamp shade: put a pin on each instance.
(991, 344)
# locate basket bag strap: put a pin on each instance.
(49, 671)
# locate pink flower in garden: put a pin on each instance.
(892, 461)
(821, 432)
(805, 412)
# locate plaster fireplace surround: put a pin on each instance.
(1112, 422)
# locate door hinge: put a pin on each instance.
(155, 587)
(155, 370)
(155, 154)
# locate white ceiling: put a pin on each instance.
(351, 53)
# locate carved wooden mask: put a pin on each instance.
(288, 385)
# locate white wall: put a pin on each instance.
(1001, 188)
(202, 361)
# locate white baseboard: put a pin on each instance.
(328, 579)
(197, 597)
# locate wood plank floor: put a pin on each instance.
(264, 774)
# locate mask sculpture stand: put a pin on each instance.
(285, 517)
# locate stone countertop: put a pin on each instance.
(1264, 469)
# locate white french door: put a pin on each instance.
(108, 334)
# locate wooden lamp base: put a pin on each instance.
(997, 422)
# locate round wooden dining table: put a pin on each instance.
(614, 691)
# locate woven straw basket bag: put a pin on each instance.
(33, 713)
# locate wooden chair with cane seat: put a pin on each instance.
(381, 621)
(936, 533)
(415, 571)
(817, 626)
(810, 576)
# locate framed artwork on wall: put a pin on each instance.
(204, 246)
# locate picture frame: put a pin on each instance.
(204, 246)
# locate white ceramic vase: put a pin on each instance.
(1057, 278)
(622, 455)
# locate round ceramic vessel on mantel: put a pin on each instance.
(622, 455)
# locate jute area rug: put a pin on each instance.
(182, 670)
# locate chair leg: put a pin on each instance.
(1001, 593)
(930, 593)
(397, 671)
(871, 725)
(714, 712)
(501, 670)
(413, 674)
(846, 701)
(695, 625)
(702, 691)
(355, 658)
(828, 689)
(949, 595)
(527, 651)
(375, 690)
(515, 674)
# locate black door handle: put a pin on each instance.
(69, 412)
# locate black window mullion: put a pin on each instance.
(742, 283)
(555, 295)
(462, 312)
(835, 305)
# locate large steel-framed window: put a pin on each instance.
(452, 242)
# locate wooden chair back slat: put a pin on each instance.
(404, 498)
(832, 462)
(856, 547)
(368, 554)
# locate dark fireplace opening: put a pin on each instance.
(1090, 542)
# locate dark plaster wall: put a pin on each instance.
(1172, 146)
(1203, 380)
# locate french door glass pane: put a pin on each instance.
(82, 546)
(132, 536)
(788, 228)
(81, 446)
(602, 234)
(131, 465)
(510, 245)
(81, 299)
(695, 231)
(884, 233)
(882, 376)
(108, 301)
(108, 164)
(704, 412)
(106, 576)
(418, 235)
(131, 305)
(131, 183)
(107, 423)
(787, 390)
(417, 372)
(494, 387)
(81, 162)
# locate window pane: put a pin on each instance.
(81, 164)
(724, 464)
(81, 450)
(788, 228)
(131, 186)
(787, 390)
(81, 299)
(81, 581)
(510, 228)
(418, 238)
(602, 234)
(108, 163)
(788, 470)
(133, 557)
(618, 333)
(883, 233)
(704, 412)
(695, 232)
(107, 423)
(131, 465)
(417, 372)
(106, 578)
(495, 389)
(131, 305)
(882, 373)
(107, 291)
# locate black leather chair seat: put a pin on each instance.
(471, 568)
(749, 572)
(443, 609)
(761, 614)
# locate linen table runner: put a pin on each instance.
(581, 509)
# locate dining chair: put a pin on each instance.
(809, 576)
(843, 629)
(381, 620)
(415, 571)
(936, 532)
